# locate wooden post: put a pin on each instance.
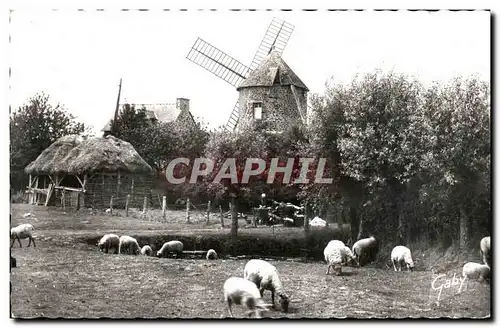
(63, 198)
(126, 204)
(187, 210)
(118, 187)
(208, 212)
(78, 201)
(164, 207)
(132, 189)
(221, 216)
(102, 192)
(306, 217)
(145, 206)
(30, 195)
(111, 204)
(234, 217)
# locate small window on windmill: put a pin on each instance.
(257, 110)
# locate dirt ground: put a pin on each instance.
(61, 278)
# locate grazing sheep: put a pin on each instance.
(401, 256)
(365, 250)
(265, 276)
(128, 245)
(485, 247)
(348, 257)
(173, 246)
(473, 270)
(22, 231)
(146, 250)
(212, 255)
(109, 242)
(244, 292)
(335, 256)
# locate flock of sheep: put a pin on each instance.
(129, 245)
(259, 275)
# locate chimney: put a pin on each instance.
(182, 104)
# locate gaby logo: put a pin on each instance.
(236, 172)
(440, 283)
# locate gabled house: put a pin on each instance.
(164, 112)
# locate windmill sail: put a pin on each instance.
(216, 61)
(276, 37)
(233, 118)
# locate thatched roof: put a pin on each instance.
(272, 70)
(75, 154)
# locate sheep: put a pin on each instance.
(146, 250)
(128, 245)
(22, 231)
(365, 250)
(109, 242)
(473, 270)
(485, 248)
(335, 256)
(265, 276)
(212, 255)
(173, 246)
(348, 257)
(244, 292)
(401, 255)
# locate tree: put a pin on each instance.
(252, 144)
(33, 128)
(459, 156)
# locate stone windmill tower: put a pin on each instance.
(270, 93)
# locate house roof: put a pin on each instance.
(166, 112)
(272, 70)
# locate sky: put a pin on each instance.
(78, 57)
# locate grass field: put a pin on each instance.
(67, 277)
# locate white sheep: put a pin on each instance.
(401, 257)
(128, 245)
(109, 242)
(22, 231)
(365, 248)
(173, 246)
(485, 247)
(473, 270)
(212, 255)
(335, 256)
(244, 292)
(146, 250)
(265, 276)
(348, 256)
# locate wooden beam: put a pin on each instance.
(79, 180)
(49, 193)
(69, 188)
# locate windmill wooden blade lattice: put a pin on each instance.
(276, 37)
(232, 71)
(216, 61)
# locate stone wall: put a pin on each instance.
(279, 108)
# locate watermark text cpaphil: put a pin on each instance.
(304, 170)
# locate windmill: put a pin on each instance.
(234, 72)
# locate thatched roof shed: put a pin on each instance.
(92, 171)
(76, 155)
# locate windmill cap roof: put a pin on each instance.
(272, 69)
